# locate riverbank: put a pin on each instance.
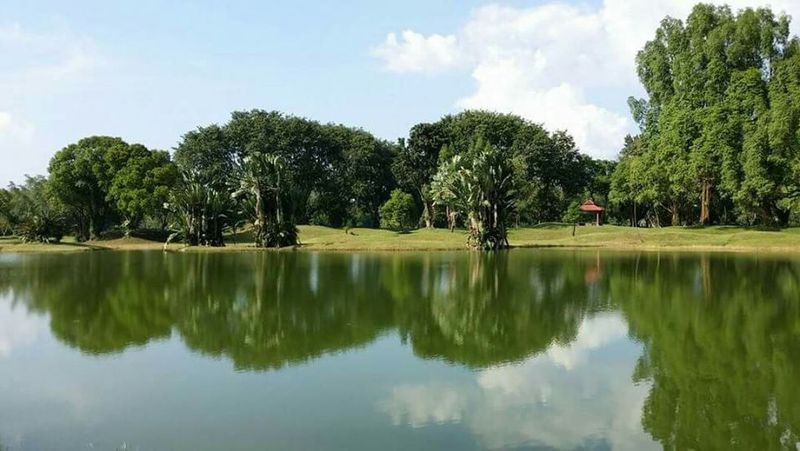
(318, 238)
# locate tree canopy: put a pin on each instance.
(719, 126)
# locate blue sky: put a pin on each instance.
(149, 71)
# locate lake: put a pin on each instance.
(527, 349)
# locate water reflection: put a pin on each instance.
(564, 398)
(565, 350)
(267, 310)
(722, 342)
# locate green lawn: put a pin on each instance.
(611, 237)
(614, 237)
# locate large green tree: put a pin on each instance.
(549, 171)
(720, 123)
(333, 175)
(102, 178)
(142, 185)
(480, 185)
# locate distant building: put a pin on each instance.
(590, 207)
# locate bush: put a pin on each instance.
(573, 213)
(278, 235)
(42, 229)
(398, 212)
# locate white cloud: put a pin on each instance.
(564, 398)
(417, 53)
(34, 69)
(598, 332)
(33, 59)
(14, 131)
(567, 67)
(18, 328)
(420, 405)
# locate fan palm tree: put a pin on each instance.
(262, 182)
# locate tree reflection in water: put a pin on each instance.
(265, 310)
(720, 334)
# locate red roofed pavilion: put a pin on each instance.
(590, 207)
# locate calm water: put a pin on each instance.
(521, 350)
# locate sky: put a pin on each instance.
(150, 71)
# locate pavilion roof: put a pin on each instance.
(590, 207)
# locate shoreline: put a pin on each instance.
(605, 238)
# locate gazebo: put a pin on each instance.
(590, 207)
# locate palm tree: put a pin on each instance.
(202, 211)
(484, 189)
(442, 189)
(262, 181)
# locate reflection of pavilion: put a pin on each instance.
(593, 273)
(590, 207)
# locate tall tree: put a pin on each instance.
(81, 175)
(484, 189)
(416, 163)
(142, 185)
(712, 138)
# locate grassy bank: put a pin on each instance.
(611, 237)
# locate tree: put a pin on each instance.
(102, 178)
(443, 186)
(549, 171)
(209, 154)
(368, 176)
(80, 177)
(416, 162)
(262, 179)
(142, 185)
(398, 212)
(36, 214)
(8, 219)
(484, 189)
(718, 120)
(202, 212)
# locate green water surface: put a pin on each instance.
(527, 349)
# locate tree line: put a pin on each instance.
(719, 143)
(480, 170)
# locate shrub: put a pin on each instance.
(573, 213)
(398, 212)
(42, 229)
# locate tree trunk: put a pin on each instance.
(783, 216)
(451, 218)
(428, 213)
(261, 221)
(676, 217)
(705, 204)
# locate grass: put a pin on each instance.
(722, 238)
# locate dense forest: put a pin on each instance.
(719, 143)
(719, 129)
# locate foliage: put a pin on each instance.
(262, 179)
(275, 171)
(719, 128)
(398, 212)
(202, 212)
(346, 169)
(443, 184)
(549, 172)
(480, 186)
(142, 186)
(33, 211)
(101, 179)
(572, 214)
